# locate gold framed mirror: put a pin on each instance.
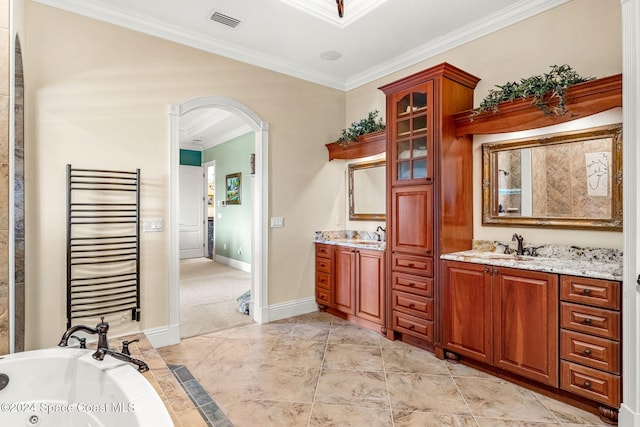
(565, 180)
(367, 191)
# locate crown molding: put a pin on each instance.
(520, 11)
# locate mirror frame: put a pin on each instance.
(363, 216)
(490, 173)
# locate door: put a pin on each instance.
(467, 310)
(525, 322)
(412, 220)
(344, 265)
(191, 212)
(370, 277)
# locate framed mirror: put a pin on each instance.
(567, 180)
(367, 191)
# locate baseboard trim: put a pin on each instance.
(163, 336)
(170, 335)
(626, 417)
(287, 309)
(240, 265)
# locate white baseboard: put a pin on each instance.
(287, 309)
(240, 265)
(628, 418)
(170, 335)
(163, 336)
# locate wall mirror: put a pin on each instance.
(567, 180)
(367, 191)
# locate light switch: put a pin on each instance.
(154, 224)
(277, 222)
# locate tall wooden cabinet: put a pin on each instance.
(429, 197)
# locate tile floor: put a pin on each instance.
(318, 370)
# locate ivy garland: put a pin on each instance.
(371, 124)
(543, 89)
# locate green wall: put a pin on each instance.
(234, 227)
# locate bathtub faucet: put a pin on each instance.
(100, 329)
(102, 349)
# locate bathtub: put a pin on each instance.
(67, 387)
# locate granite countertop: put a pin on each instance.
(354, 239)
(586, 262)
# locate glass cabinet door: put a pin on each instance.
(411, 134)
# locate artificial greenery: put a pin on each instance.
(371, 124)
(543, 90)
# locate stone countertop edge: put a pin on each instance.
(592, 269)
(375, 245)
(180, 407)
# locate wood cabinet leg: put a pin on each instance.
(608, 415)
(451, 357)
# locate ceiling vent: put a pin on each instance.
(224, 19)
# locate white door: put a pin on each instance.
(191, 212)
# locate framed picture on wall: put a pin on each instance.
(233, 186)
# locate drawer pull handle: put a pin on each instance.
(411, 284)
(428, 252)
(586, 292)
(412, 305)
(586, 352)
(586, 384)
(587, 321)
(410, 265)
(412, 327)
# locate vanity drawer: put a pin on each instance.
(323, 296)
(584, 290)
(323, 280)
(412, 264)
(591, 320)
(590, 383)
(412, 325)
(413, 284)
(323, 265)
(599, 353)
(413, 304)
(323, 251)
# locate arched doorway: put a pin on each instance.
(259, 274)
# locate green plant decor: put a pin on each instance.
(371, 124)
(543, 90)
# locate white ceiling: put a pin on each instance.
(373, 39)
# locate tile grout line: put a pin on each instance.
(466, 402)
(386, 383)
(324, 355)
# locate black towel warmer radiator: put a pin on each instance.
(103, 243)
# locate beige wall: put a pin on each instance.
(564, 35)
(97, 96)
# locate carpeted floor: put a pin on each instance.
(208, 294)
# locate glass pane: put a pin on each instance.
(420, 146)
(404, 106)
(402, 128)
(420, 168)
(404, 149)
(420, 123)
(403, 170)
(419, 101)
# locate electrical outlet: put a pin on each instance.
(224, 246)
(240, 250)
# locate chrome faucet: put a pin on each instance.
(101, 330)
(381, 236)
(520, 239)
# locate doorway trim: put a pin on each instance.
(259, 230)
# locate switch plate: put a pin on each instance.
(277, 222)
(153, 224)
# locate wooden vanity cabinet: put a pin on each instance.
(504, 317)
(429, 195)
(350, 283)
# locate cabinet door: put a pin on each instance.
(525, 322)
(370, 279)
(467, 310)
(344, 264)
(411, 135)
(412, 219)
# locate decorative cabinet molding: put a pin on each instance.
(367, 145)
(583, 99)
